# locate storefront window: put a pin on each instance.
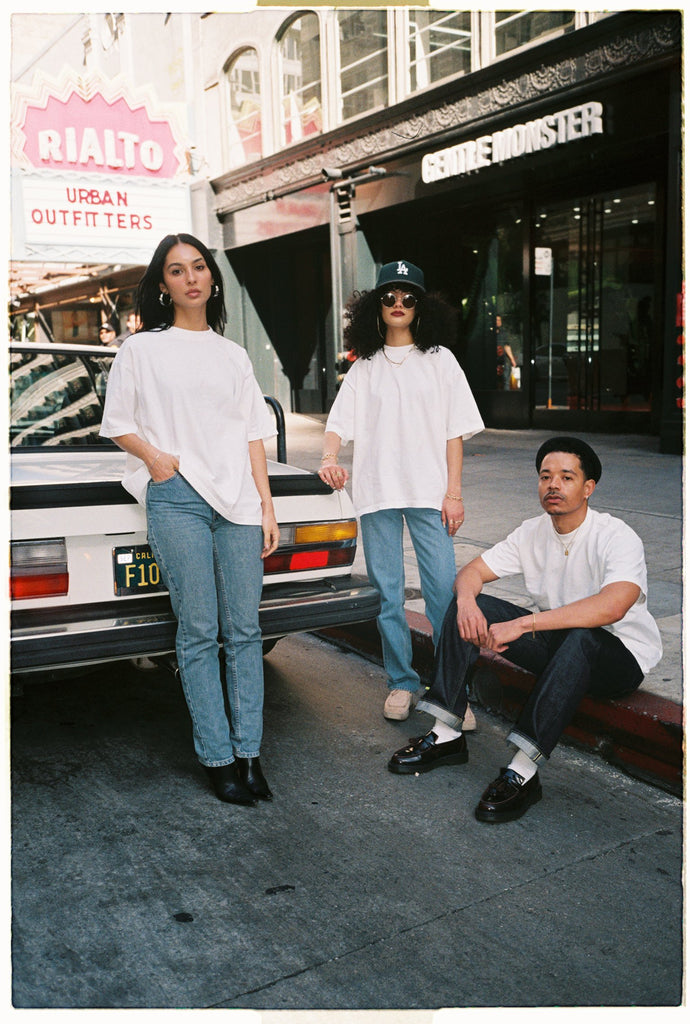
(493, 303)
(363, 61)
(244, 124)
(594, 317)
(517, 28)
(300, 80)
(439, 46)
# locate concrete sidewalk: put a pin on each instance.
(639, 485)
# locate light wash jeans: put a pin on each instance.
(214, 573)
(382, 539)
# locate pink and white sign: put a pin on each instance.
(89, 124)
(95, 135)
(97, 168)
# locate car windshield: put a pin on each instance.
(56, 398)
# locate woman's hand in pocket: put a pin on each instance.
(163, 467)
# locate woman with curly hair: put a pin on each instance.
(406, 405)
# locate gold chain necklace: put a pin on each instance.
(398, 362)
(571, 539)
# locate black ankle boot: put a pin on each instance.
(249, 771)
(228, 786)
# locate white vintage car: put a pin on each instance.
(84, 585)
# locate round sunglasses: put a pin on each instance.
(408, 300)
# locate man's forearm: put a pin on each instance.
(602, 609)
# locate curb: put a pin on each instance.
(642, 734)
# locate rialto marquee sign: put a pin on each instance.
(98, 174)
(558, 129)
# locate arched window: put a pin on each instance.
(300, 79)
(363, 39)
(244, 124)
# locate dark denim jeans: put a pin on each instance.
(568, 663)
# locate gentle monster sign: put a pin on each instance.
(519, 140)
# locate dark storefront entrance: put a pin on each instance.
(558, 267)
(568, 291)
(564, 263)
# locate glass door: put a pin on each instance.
(594, 272)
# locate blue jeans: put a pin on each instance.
(568, 664)
(382, 539)
(214, 573)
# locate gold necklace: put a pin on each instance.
(571, 538)
(398, 362)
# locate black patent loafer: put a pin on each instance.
(508, 797)
(228, 786)
(250, 773)
(426, 753)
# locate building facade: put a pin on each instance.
(530, 162)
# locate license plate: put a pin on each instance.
(135, 570)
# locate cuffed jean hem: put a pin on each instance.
(216, 764)
(438, 711)
(527, 745)
(224, 762)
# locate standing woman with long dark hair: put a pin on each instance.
(406, 405)
(184, 404)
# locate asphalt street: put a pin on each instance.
(356, 889)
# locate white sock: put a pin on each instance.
(444, 733)
(523, 765)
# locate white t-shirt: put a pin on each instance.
(192, 394)
(603, 550)
(400, 418)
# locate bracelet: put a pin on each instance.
(155, 461)
(454, 497)
(328, 455)
(534, 625)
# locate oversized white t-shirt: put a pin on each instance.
(400, 418)
(192, 394)
(603, 550)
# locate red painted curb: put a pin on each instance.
(641, 734)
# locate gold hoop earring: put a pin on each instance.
(378, 326)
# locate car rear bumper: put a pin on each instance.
(54, 638)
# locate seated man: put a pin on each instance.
(590, 630)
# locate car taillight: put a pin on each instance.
(38, 568)
(313, 546)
